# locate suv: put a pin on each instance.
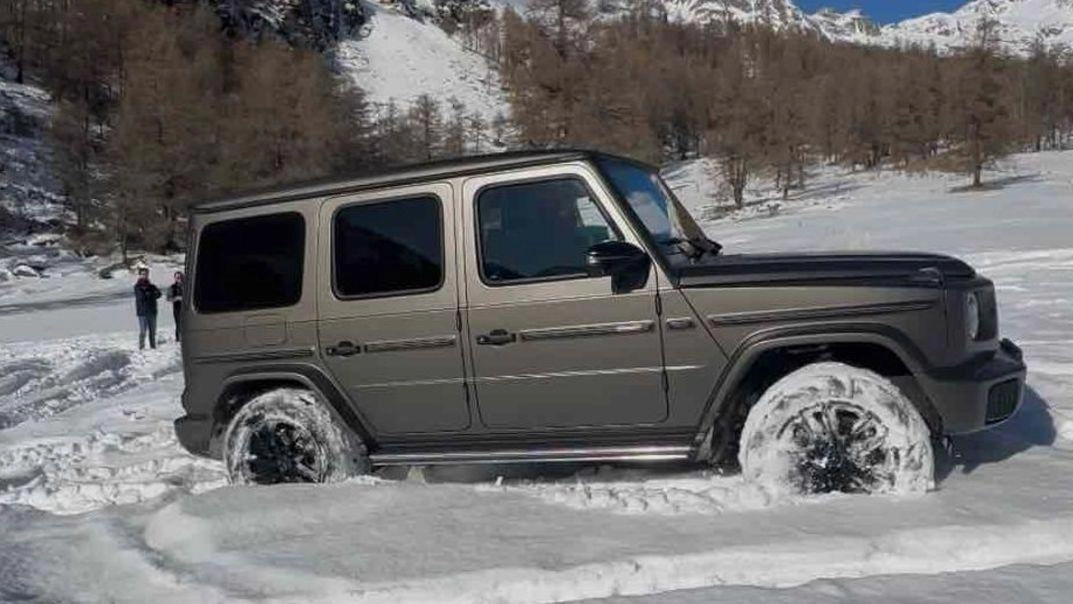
(563, 306)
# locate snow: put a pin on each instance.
(99, 503)
(27, 187)
(398, 58)
(885, 420)
(1020, 22)
(73, 285)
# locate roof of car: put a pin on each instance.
(398, 175)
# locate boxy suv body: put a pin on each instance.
(553, 306)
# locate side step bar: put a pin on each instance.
(648, 453)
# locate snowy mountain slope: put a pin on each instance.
(398, 58)
(852, 26)
(992, 532)
(778, 14)
(27, 186)
(1020, 22)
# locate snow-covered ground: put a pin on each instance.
(27, 186)
(98, 502)
(398, 58)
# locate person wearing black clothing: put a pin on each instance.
(145, 296)
(175, 296)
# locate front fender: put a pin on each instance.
(756, 344)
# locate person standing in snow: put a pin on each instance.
(175, 296)
(145, 296)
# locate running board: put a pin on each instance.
(651, 453)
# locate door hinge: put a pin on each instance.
(666, 381)
(458, 321)
(465, 389)
(659, 306)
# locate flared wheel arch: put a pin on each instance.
(750, 372)
(243, 387)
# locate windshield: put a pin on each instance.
(662, 215)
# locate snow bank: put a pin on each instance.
(452, 544)
(638, 493)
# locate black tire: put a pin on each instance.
(830, 427)
(289, 435)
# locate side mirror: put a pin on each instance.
(626, 264)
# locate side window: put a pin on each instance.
(250, 263)
(538, 230)
(388, 247)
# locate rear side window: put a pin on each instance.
(250, 263)
(388, 247)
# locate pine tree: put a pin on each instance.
(426, 120)
(983, 103)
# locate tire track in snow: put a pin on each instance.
(80, 474)
(127, 452)
(45, 379)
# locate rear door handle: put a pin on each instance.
(497, 337)
(343, 349)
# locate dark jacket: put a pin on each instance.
(175, 293)
(145, 296)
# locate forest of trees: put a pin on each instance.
(161, 103)
(762, 101)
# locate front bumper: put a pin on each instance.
(980, 393)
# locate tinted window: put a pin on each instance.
(250, 263)
(390, 246)
(538, 230)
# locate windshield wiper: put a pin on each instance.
(698, 246)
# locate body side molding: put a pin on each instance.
(818, 312)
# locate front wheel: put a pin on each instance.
(289, 435)
(830, 427)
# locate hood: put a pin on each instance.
(843, 268)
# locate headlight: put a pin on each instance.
(972, 316)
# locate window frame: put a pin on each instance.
(395, 293)
(196, 298)
(478, 234)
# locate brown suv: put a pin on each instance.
(564, 306)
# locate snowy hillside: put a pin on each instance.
(93, 484)
(398, 58)
(1020, 23)
(851, 26)
(27, 187)
(778, 14)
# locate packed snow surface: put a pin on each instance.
(99, 503)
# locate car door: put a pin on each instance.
(388, 308)
(550, 346)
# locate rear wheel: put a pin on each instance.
(289, 435)
(830, 427)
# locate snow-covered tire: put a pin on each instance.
(830, 427)
(289, 435)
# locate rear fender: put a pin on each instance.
(307, 376)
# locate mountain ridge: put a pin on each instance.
(1020, 22)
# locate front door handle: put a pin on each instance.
(497, 337)
(343, 349)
